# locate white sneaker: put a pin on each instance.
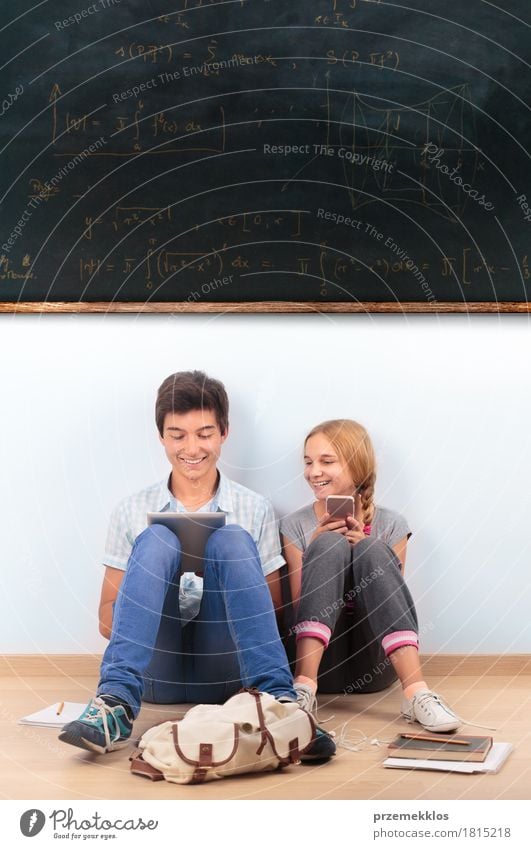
(430, 711)
(306, 698)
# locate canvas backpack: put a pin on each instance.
(251, 732)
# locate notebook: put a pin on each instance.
(491, 765)
(444, 749)
(48, 717)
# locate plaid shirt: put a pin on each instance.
(243, 507)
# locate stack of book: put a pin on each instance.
(456, 753)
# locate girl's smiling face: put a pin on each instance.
(325, 470)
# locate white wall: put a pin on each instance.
(447, 401)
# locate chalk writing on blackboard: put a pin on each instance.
(325, 150)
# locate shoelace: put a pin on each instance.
(429, 696)
(306, 699)
(309, 704)
(101, 709)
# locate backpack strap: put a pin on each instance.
(205, 759)
(294, 754)
(141, 767)
(265, 733)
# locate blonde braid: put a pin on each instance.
(366, 491)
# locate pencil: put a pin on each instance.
(435, 739)
(60, 708)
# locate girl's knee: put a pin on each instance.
(329, 543)
(374, 550)
(325, 562)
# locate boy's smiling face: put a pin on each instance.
(192, 442)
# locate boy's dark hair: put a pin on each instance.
(192, 390)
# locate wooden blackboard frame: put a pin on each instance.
(273, 307)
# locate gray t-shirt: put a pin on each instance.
(387, 525)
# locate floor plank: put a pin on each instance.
(36, 765)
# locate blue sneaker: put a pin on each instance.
(101, 727)
(322, 748)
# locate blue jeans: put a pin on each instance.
(233, 642)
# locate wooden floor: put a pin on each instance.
(37, 766)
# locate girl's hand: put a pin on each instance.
(329, 523)
(355, 524)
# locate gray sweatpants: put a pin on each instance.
(357, 596)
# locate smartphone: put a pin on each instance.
(340, 506)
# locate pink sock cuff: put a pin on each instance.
(398, 639)
(313, 629)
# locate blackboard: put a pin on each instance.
(329, 153)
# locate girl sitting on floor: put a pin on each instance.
(355, 623)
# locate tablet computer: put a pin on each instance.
(192, 530)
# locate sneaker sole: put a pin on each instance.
(74, 736)
(442, 729)
(319, 755)
(316, 758)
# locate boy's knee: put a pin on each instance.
(230, 543)
(161, 544)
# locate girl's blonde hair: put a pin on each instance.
(354, 446)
